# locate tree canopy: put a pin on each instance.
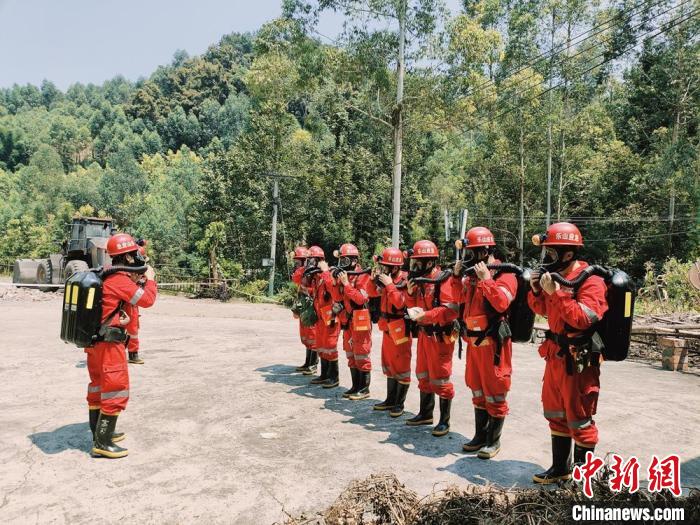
(601, 98)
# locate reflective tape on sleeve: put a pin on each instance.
(137, 295)
(592, 317)
(477, 393)
(94, 389)
(506, 291)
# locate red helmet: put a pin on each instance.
(348, 250)
(424, 250)
(391, 257)
(300, 252)
(477, 237)
(121, 243)
(316, 252)
(559, 234)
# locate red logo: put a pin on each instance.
(587, 472)
(665, 474)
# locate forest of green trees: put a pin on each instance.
(489, 113)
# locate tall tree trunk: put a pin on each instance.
(565, 111)
(550, 144)
(397, 122)
(522, 194)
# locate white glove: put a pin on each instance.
(415, 312)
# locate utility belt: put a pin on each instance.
(444, 334)
(588, 346)
(498, 329)
(112, 334)
(384, 315)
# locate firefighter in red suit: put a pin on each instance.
(327, 302)
(108, 391)
(132, 345)
(355, 320)
(434, 308)
(307, 334)
(486, 297)
(572, 371)
(389, 283)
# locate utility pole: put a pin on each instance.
(671, 218)
(273, 242)
(398, 130)
(462, 230)
(447, 225)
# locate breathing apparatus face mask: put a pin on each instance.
(347, 263)
(311, 262)
(420, 267)
(471, 256)
(389, 270)
(298, 263)
(554, 258)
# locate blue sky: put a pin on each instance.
(92, 40)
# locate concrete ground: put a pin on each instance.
(221, 431)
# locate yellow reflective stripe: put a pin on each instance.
(628, 304)
(90, 299)
(66, 293)
(74, 296)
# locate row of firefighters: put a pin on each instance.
(336, 299)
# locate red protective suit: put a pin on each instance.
(486, 302)
(327, 327)
(106, 362)
(357, 343)
(436, 336)
(569, 400)
(307, 334)
(396, 358)
(133, 343)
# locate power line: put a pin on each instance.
(673, 23)
(574, 41)
(599, 55)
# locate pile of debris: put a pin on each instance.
(649, 328)
(12, 293)
(382, 499)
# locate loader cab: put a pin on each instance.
(88, 239)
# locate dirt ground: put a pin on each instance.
(221, 431)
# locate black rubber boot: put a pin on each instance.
(354, 373)
(333, 375)
(134, 358)
(94, 416)
(580, 453)
(561, 462)
(363, 384)
(306, 362)
(324, 373)
(481, 421)
(102, 445)
(443, 426)
(493, 438)
(401, 391)
(313, 362)
(390, 401)
(425, 414)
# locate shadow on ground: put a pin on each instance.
(75, 436)
(690, 473)
(414, 440)
(506, 473)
